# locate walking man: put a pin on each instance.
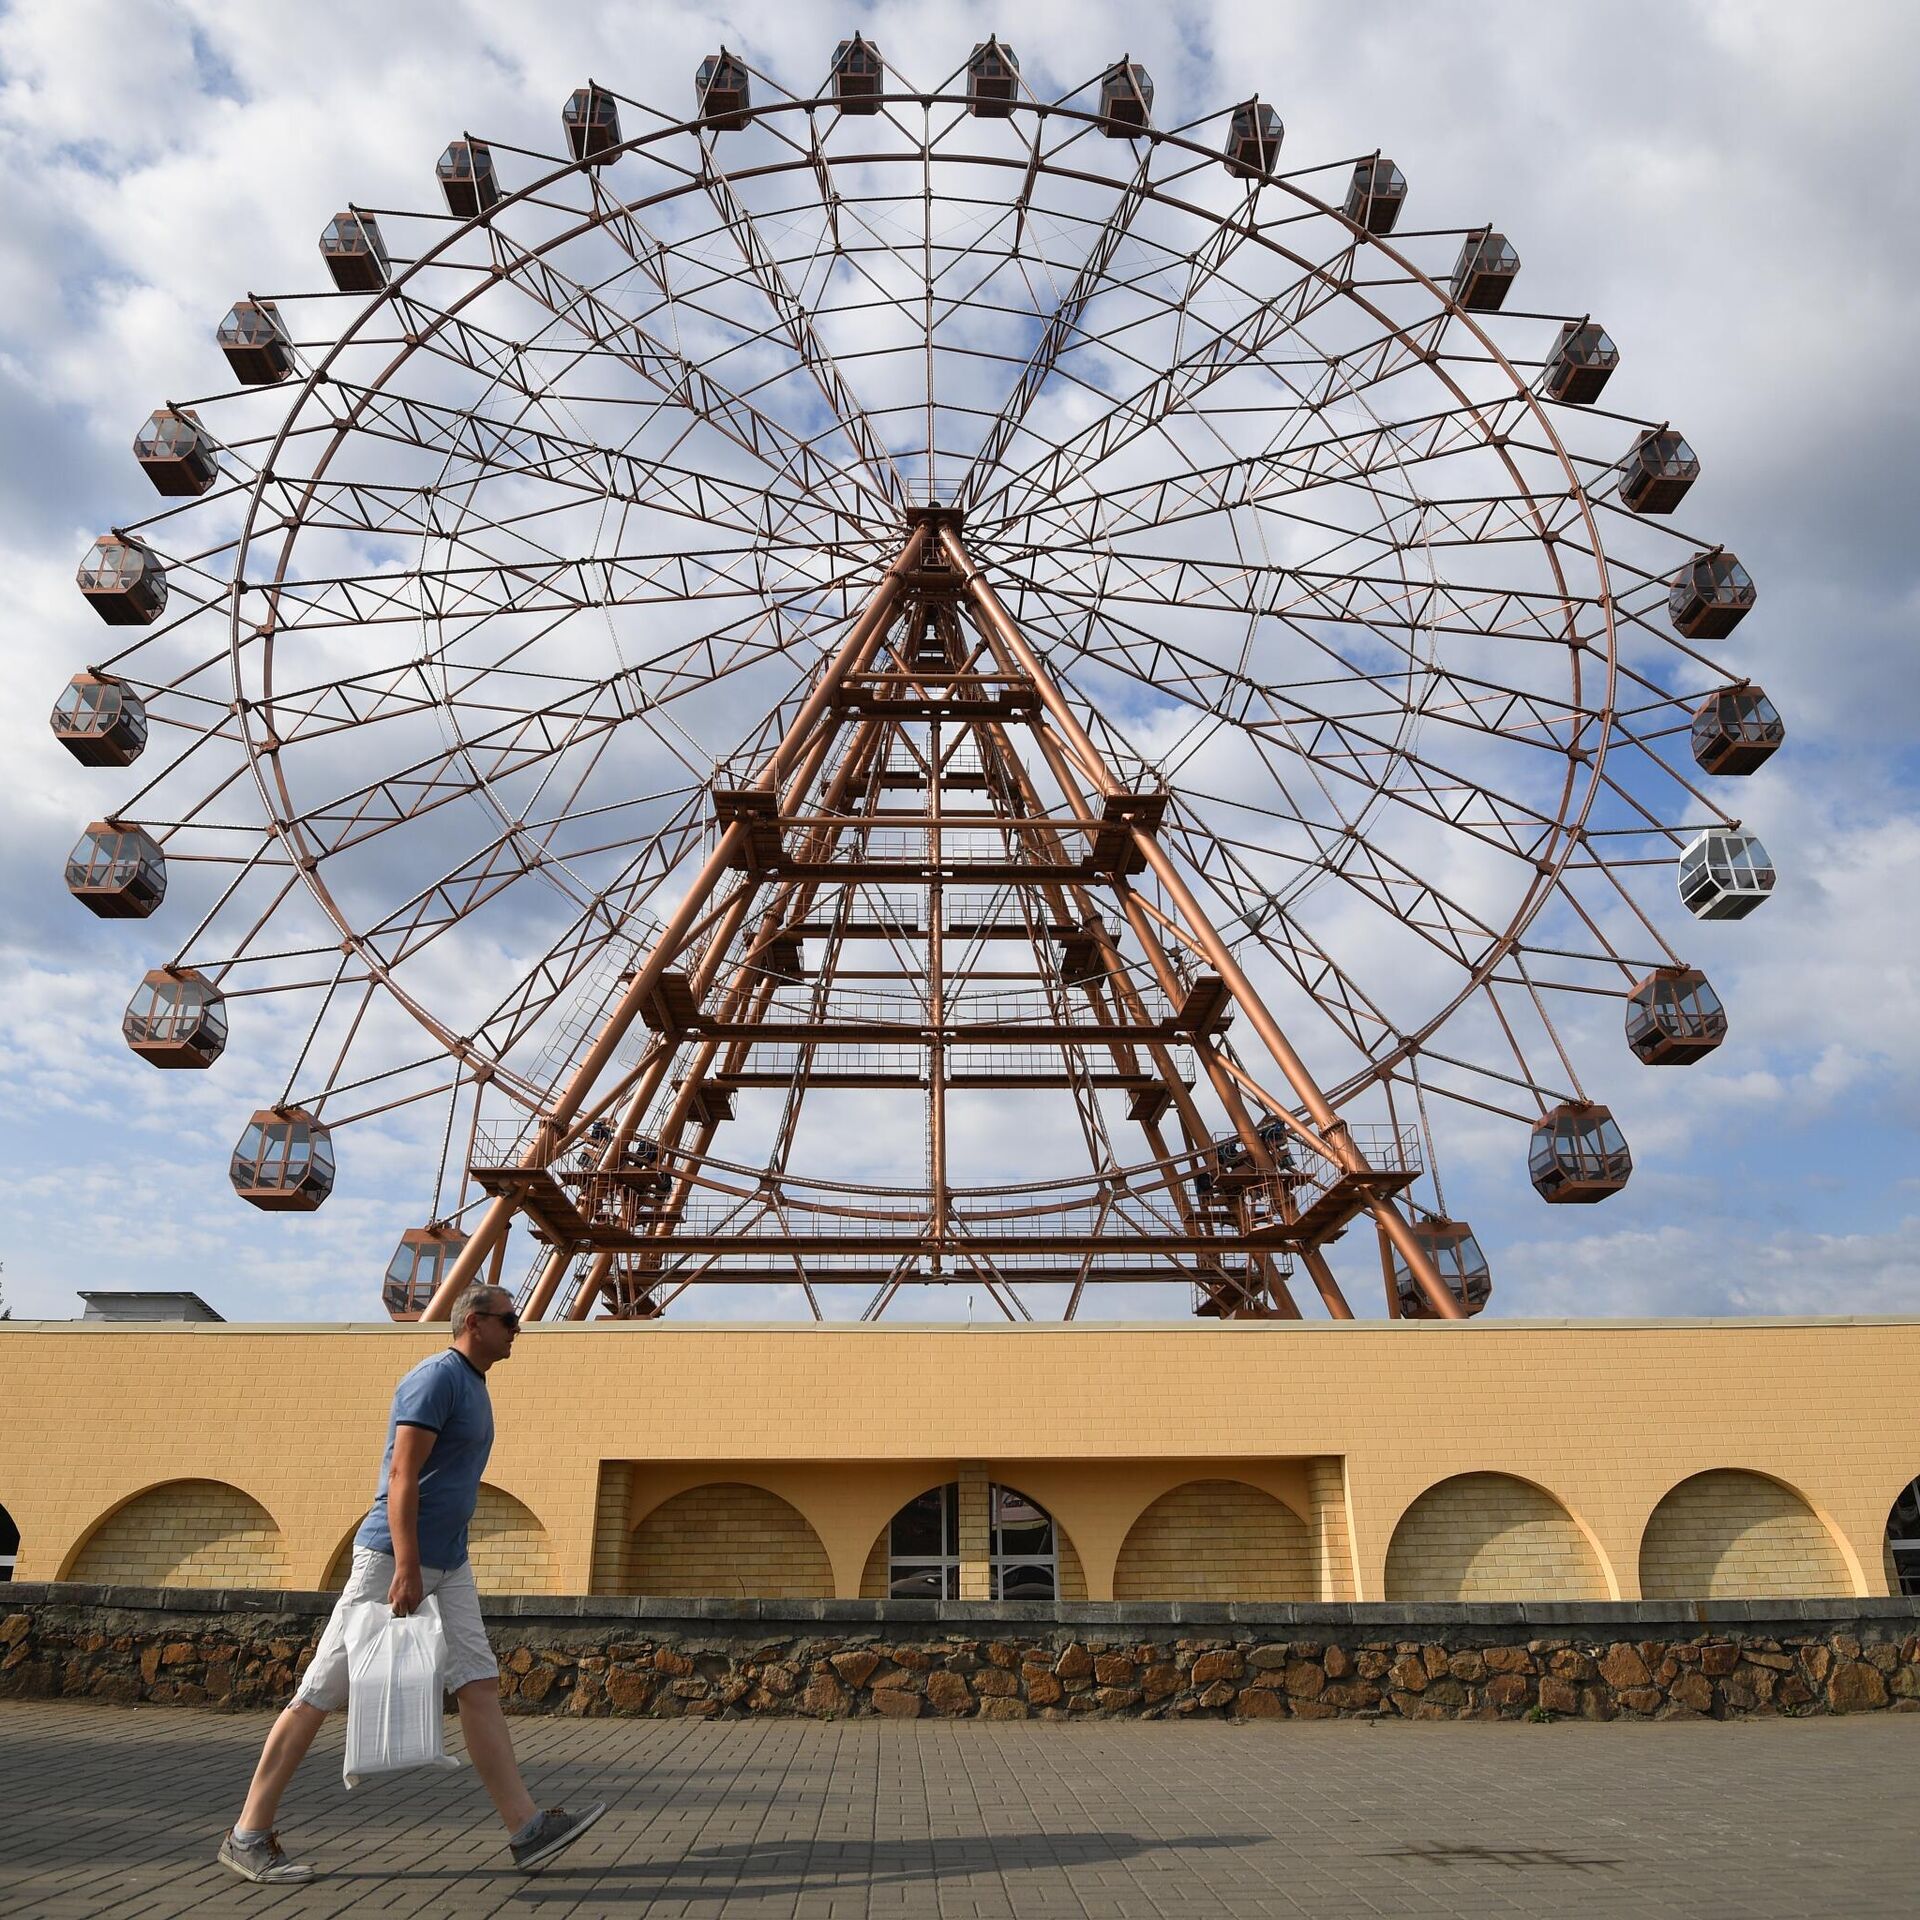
(413, 1543)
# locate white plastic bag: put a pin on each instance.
(394, 1670)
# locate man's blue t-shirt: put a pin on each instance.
(448, 1396)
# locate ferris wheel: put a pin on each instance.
(892, 684)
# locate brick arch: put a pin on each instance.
(1071, 1575)
(506, 1543)
(873, 1576)
(732, 1540)
(1492, 1536)
(1216, 1540)
(1733, 1534)
(182, 1533)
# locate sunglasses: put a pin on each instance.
(508, 1315)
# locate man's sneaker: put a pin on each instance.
(262, 1860)
(553, 1830)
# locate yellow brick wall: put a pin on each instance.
(733, 1541)
(1094, 1422)
(1737, 1536)
(1486, 1536)
(873, 1576)
(976, 1532)
(1216, 1540)
(613, 1530)
(1332, 1538)
(193, 1533)
(508, 1546)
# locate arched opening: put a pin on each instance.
(9, 1545)
(188, 1533)
(1731, 1535)
(730, 1540)
(341, 1564)
(1216, 1540)
(507, 1545)
(919, 1552)
(1489, 1536)
(1903, 1542)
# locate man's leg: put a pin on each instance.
(490, 1748)
(474, 1677)
(286, 1747)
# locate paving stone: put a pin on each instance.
(112, 1814)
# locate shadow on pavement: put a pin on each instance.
(1438, 1855)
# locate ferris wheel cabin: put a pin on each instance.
(283, 1162)
(123, 581)
(592, 122)
(1484, 271)
(422, 1259)
(1658, 470)
(176, 1018)
(1375, 195)
(176, 453)
(256, 343)
(1674, 1017)
(101, 721)
(1578, 1155)
(1580, 365)
(1736, 730)
(993, 80)
(117, 872)
(1725, 875)
(857, 76)
(1710, 596)
(720, 88)
(1462, 1267)
(355, 254)
(1126, 100)
(467, 179)
(1254, 136)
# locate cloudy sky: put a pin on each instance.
(1734, 186)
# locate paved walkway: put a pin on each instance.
(116, 1811)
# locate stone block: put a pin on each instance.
(949, 1693)
(1853, 1687)
(1693, 1691)
(1074, 1663)
(1507, 1691)
(1305, 1680)
(1622, 1668)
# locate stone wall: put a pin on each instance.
(907, 1660)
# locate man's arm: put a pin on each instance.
(411, 1445)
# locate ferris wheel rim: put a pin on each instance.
(1568, 822)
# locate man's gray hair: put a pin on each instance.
(476, 1298)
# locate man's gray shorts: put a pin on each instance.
(469, 1656)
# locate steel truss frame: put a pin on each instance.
(1209, 410)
